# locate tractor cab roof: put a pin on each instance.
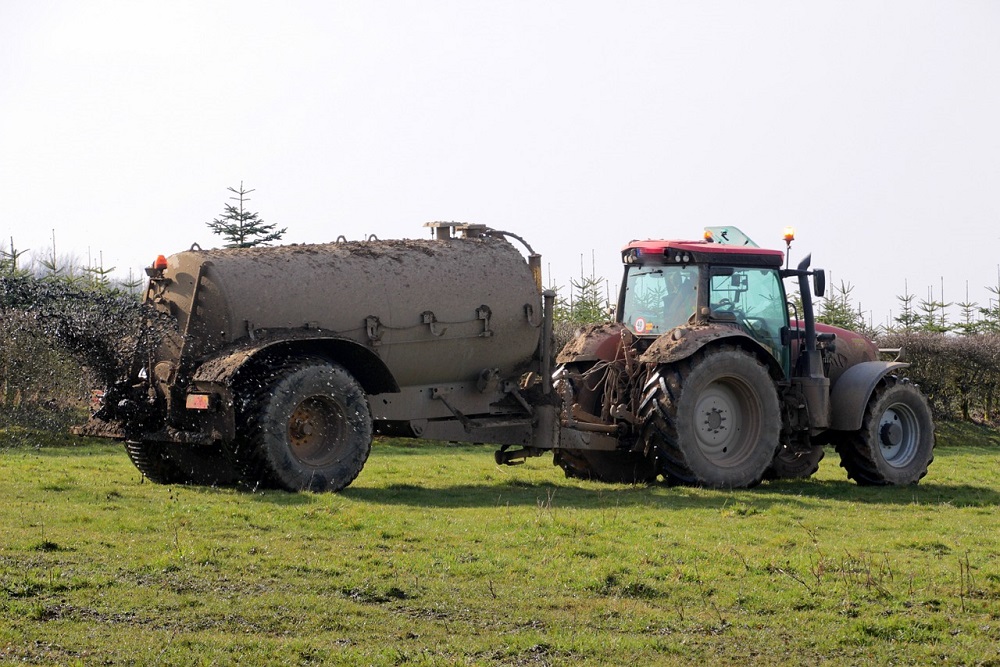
(726, 245)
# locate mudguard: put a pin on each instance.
(682, 342)
(849, 396)
(364, 365)
(595, 342)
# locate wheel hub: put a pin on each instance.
(717, 410)
(714, 419)
(315, 428)
(898, 435)
(891, 434)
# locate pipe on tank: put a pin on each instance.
(534, 259)
(545, 347)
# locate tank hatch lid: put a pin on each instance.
(466, 230)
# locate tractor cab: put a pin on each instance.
(723, 278)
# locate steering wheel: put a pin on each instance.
(725, 306)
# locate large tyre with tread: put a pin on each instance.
(170, 463)
(712, 420)
(619, 467)
(895, 444)
(609, 467)
(795, 464)
(307, 427)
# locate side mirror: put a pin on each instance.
(819, 282)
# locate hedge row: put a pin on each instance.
(960, 375)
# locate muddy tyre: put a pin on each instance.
(712, 420)
(170, 463)
(895, 444)
(308, 428)
(792, 464)
(610, 467)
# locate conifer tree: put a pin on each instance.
(241, 228)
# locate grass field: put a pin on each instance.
(437, 556)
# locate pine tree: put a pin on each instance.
(990, 322)
(241, 228)
(837, 309)
(933, 318)
(968, 326)
(908, 321)
(9, 261)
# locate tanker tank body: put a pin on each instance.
(282, 362)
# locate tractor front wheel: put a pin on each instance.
(895, 444)
(712, 420)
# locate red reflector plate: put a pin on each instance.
(197, 401)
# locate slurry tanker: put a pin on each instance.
(276, 366)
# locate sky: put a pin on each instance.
(872, 127)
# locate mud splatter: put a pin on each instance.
(98, 328)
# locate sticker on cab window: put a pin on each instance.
(641, 326)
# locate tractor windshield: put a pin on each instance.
(659, 298)
(755, 299)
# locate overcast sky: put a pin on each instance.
(872, 127)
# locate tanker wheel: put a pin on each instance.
(603, 466)
(895, 444)
(171, 463)
(308, 428)
(713, 420)
(792, 464)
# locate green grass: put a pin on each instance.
(437, 556)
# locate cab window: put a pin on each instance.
(659, 298)
(755, 299)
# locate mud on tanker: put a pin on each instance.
(278, 365)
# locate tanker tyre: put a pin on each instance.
(170, 463)
(791, 464)
(712, 420)
(895, 444)
(309, 428)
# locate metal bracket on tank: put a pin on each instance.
(529, 314)
(427, 317)
(374, 329)
(484, 313)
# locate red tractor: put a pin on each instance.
(710, 376)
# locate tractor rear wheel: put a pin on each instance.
(712, 420)
(308, 428)
(895, 444)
